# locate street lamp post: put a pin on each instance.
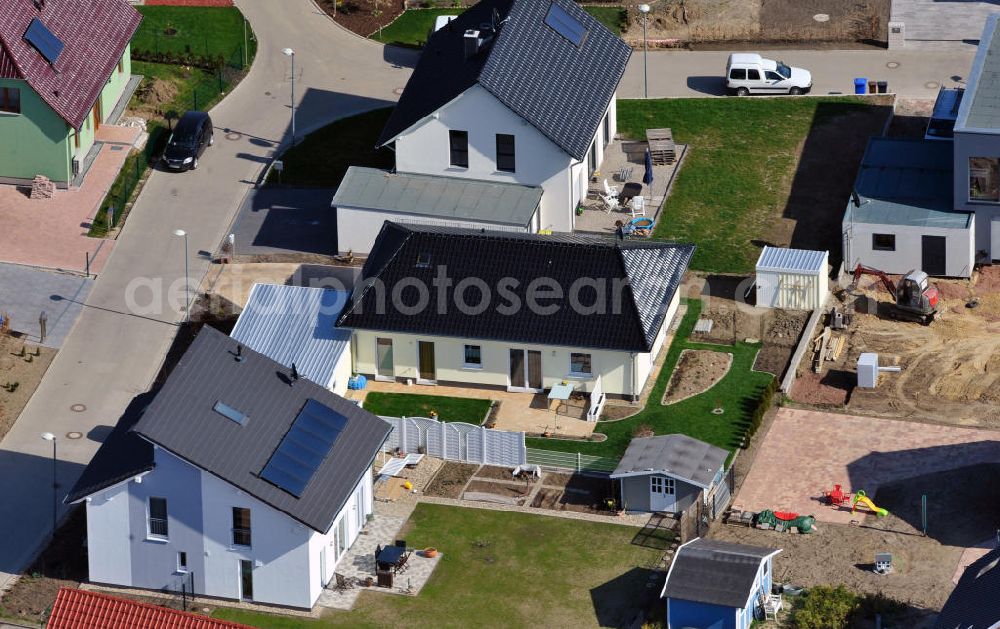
(288, 52)
(48, 436)
(644, 9)
(187, 289)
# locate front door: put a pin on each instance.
(426, 355)
(383, 360)
(933, 254)
(525, 370)
(661, 494)
(246, 580)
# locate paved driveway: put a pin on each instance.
(120, 340)
(287, 220)
(942, 24)
(914, 74)
(806, 452)
(25, 293)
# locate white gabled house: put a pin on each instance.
(238, 480)
(516, 92)
(514, 311)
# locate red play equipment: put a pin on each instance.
(838, 497)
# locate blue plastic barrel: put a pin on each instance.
(860, 85)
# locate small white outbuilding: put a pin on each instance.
(791, 278)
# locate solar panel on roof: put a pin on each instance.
(39, 36)
(304, 447)
(566, 25)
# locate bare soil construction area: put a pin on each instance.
(950, 368)
(764, 21)
(21, 369)
(697, 371)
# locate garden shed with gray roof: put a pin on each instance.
(667, 473)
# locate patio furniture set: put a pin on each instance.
(389, 561)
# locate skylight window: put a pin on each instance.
(424, 260)
(229, 412)
(39, 36)
(566, 25)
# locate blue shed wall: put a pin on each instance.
(682, 614)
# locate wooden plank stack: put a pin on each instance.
(42, 188)
(661, 146)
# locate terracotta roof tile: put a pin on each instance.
(95, 34)
(81, 609)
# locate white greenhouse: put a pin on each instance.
(792, 278)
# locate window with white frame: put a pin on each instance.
(580, 364)
(473, 357)
(241, 527)
(158, 518)
(661, 485)
(182, 561)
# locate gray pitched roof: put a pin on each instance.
(975, 601)
(561, 89)
(675, 455)
(715, 572)
(649, 271)
(980, 108)
(439, 197)
(295, 324)
(181, 420)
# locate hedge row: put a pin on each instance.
(763, 403)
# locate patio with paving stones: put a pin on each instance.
(806, 452)
(625, 154)
(359, 562)
(527, 412)
(52, 233)
(25, 293)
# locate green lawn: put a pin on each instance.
(449, 409)
(738, 172)
(502, 570)
(412, 27)
(201, 31)
(737, 393)
(323, 156)
(615, 18)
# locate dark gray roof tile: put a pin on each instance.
(715, 572)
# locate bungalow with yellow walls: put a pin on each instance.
(513, 311)
(64, 69)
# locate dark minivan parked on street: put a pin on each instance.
(191, 135)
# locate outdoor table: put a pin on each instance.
(390, 556)
(629, 190)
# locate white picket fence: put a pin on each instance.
(597, 399)
(573, 461)
(456, 441)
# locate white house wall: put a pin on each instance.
(644, 361)
(449, 356)
(960, 248)
(424, 148)
(976, 145)
(342, 372)
(360, 501)
(358, 228)
(199, 511)
(107, 531)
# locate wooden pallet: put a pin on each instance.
(661, 146)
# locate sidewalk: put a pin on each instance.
(52, 233)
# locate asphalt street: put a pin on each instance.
(118, 343)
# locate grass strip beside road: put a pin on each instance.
(737, 394)
(449, 409)
(501, 569)
(200, 31)
(737, 176)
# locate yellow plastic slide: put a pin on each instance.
(863, 499)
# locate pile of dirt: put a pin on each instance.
(697, 371)
(785, 327)
(450, 479)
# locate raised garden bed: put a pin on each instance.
(499, 489)
(698, 370)
(559, 500)
(450, 479)
(501, 473)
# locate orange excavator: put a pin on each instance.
(915, 298)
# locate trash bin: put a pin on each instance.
(859, 85)
(883, 87)
(872, 87)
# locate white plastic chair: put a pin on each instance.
(638, 206)
(610, 203)
(611, 191)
